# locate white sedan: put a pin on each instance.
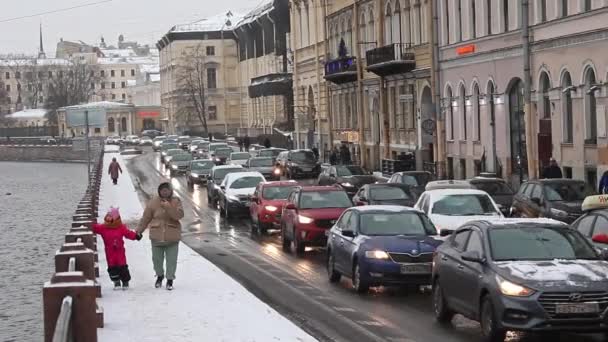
(448, 209)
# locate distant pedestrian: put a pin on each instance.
(333, 156)
(553, 170)
(604, 184)
(113, 170)
(267, 143)
(240, 144)
(161, 216)
(315, 151)
(113, 232)
(246, 143)
(345, 155)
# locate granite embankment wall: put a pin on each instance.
(53, 153)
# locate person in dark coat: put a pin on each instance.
(333, 156)
(241, 144)
(553, 170)
(113, 170)
(315, 151)
(267, 143)
(246, 143)
(345, 155)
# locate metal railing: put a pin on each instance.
(63, 329)
(389, 53)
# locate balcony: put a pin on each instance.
(279, 84)
(341, 70)
(390, 59)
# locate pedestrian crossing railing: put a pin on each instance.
(71, 311)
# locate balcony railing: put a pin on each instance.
(391, 59)
(341, 70)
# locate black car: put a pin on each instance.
(265, 166)
(559, 199)
(200, 169)
(298, 163)
(522, 275)
(184, 142)
(220, 155)
(270, 152)
(215, 179)
(385, 194)
(349, 177)
(498, 189)
(417, 180)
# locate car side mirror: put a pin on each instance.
(223, 187)
(472, 256)
(288, 159)
(209, 177)
(349, 233)
(254, 199)
(536, 201)
(290, 206)
(445, 232)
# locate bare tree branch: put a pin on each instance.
(191, 85)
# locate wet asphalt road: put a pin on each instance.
(298, 286)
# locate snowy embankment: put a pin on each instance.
(206, 304)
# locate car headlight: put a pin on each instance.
(382, 255)
(304, 219)
(508, 288)
(277, 172)
(347, 185)
(193, 174)
(558, 213)
(174, 167)
(232, 198)
(271, 208)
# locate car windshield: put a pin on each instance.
(215, 147)
(343, 171)
(219, 174)
(464, 205)
(174, 152)
(303, 156)
(568, 192)
(404, 223)
(261, 162)
(223, 152)
(277, 192)
(246, 182)
(240, 156)
(182, 157)
(538, 243)
(202, 165)
(203, 145)
(324, 199)
(166, 146)
(388, 193)
(181, 140)
(269, 153)
(493, 188)
(159, 139)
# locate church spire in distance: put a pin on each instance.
(41, 53)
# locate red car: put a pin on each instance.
(267, 204)
(309, 214)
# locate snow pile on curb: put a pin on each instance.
(206, 305)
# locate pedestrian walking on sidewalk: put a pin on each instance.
(552, 171)
(113, 231)
(161, 217)
(113, 170)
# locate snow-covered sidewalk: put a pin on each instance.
(206, 304)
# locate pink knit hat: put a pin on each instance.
(114, 213)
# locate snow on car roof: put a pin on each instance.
(502, 222)
(376, 208)
(231, 177)
(448, 192)
(219, 167)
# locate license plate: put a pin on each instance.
(579, 308)
(416, 269)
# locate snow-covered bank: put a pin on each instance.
(206, 304)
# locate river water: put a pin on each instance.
(33, 221)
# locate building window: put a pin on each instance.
(17, 75)
(113, 96)
(473, 20)
(543, 11)
(564, 7)
(41, 99)
(113, 85)
(112, 73)
(8, 87)
(544, 92)
(211, 79)
(39, 86)
(489, 16)
(450, 108)
(50, 74)
(123, 84)
(97, 130)
(591, 177)
(212, 112)
(568, 172)
(103, 73)
(124, 96)
(477, 112)
(590, 107)
(18, 86)
(122, 73)
(505, 14)
(388, 26)
(463, 109)
(103, 85)
(7, 75)
(111, 125)
(587, 5)
(459, 20)
(132, 72)
(447, 21)
(92, 85)
(362, 35)
(567, 108)
(123, 124)
(210, 50)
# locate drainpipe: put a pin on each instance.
(530, 130)
(439, 140)
(359, 88)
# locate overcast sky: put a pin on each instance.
(142, 20)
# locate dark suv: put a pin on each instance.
(523, 275)
(350, 177)
(417, 180)
(559, 199)
(298, 163)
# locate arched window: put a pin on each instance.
(446, 5)
(406, 23)
(567, 108)
(123, 124)
(363, 34)
(564, 7)
(477, 112)
(489, 16)
(590, 107)
(450, 113)
(505, 14)
(388, 25)
(111, 125)
(545, 104)
(463, 110)
(371, 27)
(543, 11)
(587, 5)
(459, 18)
(473, 20)
(396, 24)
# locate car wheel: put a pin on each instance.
(334, 276)
(190, 186)
(226, 215)
(360, 282)
(443, 314)
(285, 240)
(171, 173)
(263, 229)
(490, 331)
(255, 226)
(298, 246)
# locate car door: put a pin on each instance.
(333, 175)
(359, 198)
(469, 281)
(536, 209)
(600, 227)
(338, 242)
(349, 247)
(290, 215)
(253, 207)
(450, 270)
(525, 199)
(323, 177)
(518, 199)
